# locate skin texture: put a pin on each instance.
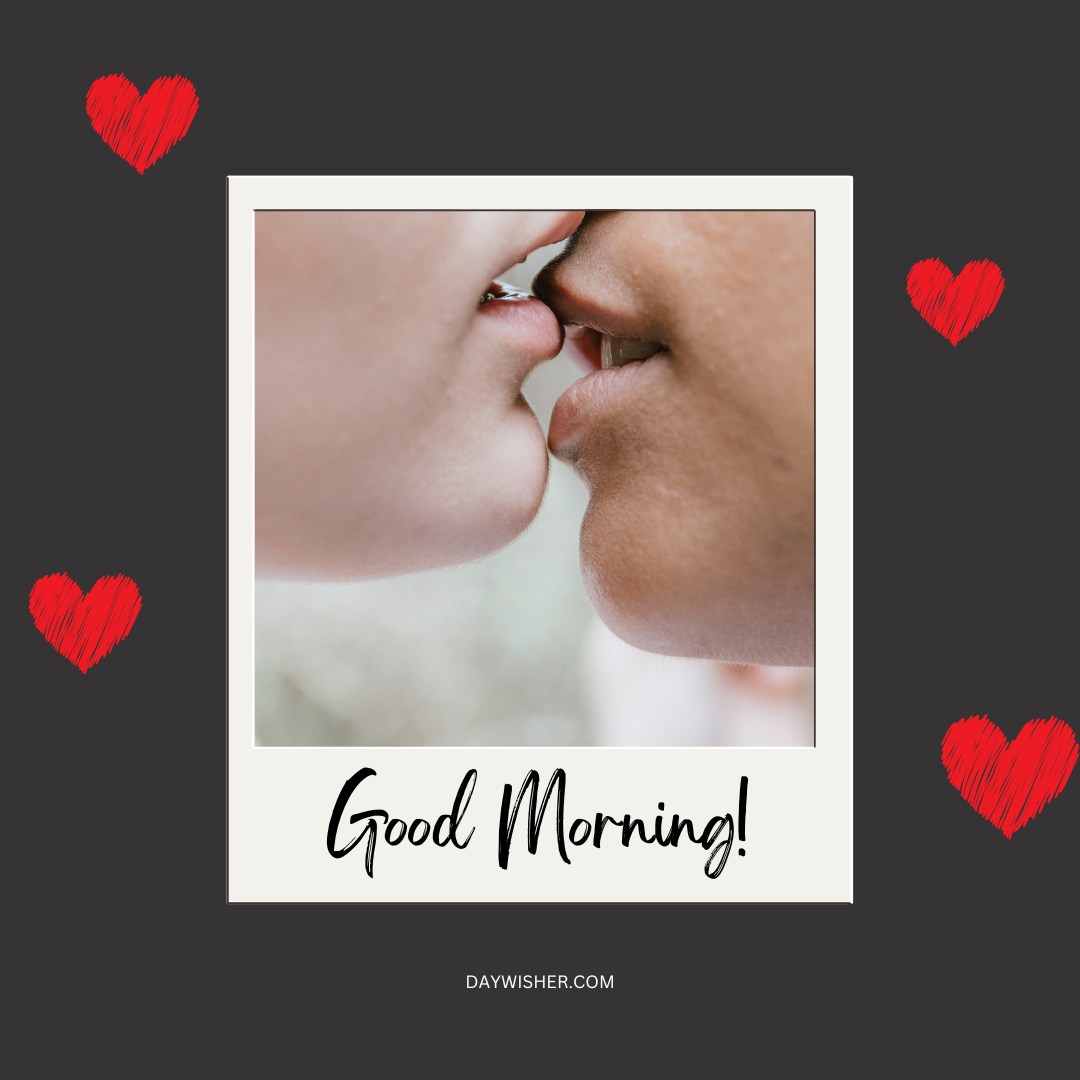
(699, 535)
(390, 431)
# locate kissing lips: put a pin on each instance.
(621, 375)
(623, 366)
(596, 401)
(523, 327)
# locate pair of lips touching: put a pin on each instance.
(593, 349)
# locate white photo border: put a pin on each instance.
(798, 835)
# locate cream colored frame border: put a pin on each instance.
(799, 816)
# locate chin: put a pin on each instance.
(509, 486)
(482, 495)
(725, 635)
(658, 597)
(467, 503)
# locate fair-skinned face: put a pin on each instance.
(699, 535)
(391, 434)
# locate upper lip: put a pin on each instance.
(572, 309)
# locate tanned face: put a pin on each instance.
(697, 444)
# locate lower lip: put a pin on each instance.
(592, 403)
(528, 331)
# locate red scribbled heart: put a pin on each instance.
(1009, 782)
(141, 127)
(954, 306)
(84, 628)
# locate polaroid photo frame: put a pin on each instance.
(769, 824)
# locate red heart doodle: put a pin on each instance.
(84, 628)
(1008, 783)
(141, 127)
(954, 306)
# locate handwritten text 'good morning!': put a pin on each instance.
(368, 827)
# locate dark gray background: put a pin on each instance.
(116, 458)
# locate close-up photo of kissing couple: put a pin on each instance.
(534, 478)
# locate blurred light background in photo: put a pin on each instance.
(502, 652)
